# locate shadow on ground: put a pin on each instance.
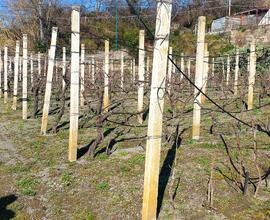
(4, 202)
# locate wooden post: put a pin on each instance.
(6, 75)
(82, 75)
(64, 67)
(252, 72)
(198, 79)
(169, 70)
(48, 89)
(1, 73)
(236, 71)
(205, 71)
(141, 72)
(228, 70)
(106, 77)
(93, 69)
(74, 83)
(154, 133)
(182, 65)
(122, 70)
(16, 71)
(31, 69)
(24, 78)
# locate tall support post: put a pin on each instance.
(82, 75)
(6, 75)
(56, 70)
(31, 69)
(198, 79)
(228, 70)
(205, 70)
(147, 75)
(64, 67)
(169, 70)
(74, 83)
(20, 69)
(122, 70)
(236, 72)
(213, 66)
(10, 66)
(133, 70)
(154, 132)
(252, 72)
(189, 67)
(24, 78)
(45, 64)
(141, 72)
(39, 64)
(182, 65)
(1, 72)
(173, 67)
(106, 77)
(47, 97)
(93, 69)
(16, 72)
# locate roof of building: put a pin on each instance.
(252, 11)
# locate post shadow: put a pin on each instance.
(166, 169)
(4, 202)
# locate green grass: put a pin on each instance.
(66, 178)
(27, 186)
(102, 186)
(136, 160)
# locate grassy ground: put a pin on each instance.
(37, 182)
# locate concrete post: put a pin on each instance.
(82, 75)
(1, 73)
(64, 67)
(141, 72)
(169, 70)
(213, 66)
(16, 71)
(228, 70)
(48, 89)
(205, 71)
(39, 64)
(236, 71)
(198, 78)
(252, 72)
(45, 64)
(31, 69)
(24, 86)
(93, 69)
(20, 69)
(6, 75)
(122, 70)
(134, 70)
(147, 74)
(182, 65)
(106, 77)
(189, 67)
(154, 132)
(74, 83)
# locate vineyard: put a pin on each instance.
(152, 124)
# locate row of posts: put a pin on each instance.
(161, 71)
